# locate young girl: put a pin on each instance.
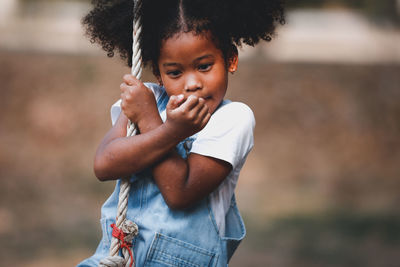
(185, 163)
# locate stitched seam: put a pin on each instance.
(187, 245)
(161, 256)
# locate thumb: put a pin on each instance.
(174, 101)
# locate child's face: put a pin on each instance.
(191, 64)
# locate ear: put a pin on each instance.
(159, 80)
(233, 60)
(156, 73)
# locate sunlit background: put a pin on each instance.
(320, 188)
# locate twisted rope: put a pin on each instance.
(124, 230)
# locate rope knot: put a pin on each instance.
(125, 235)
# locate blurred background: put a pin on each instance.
(320, 188)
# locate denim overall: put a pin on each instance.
(187, 238)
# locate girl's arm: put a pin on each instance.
(118, 156)
(182, 182)
(185, 182)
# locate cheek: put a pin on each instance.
(171, 87)
(219, 78)
(221, 82)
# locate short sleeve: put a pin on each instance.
(116, 107)
(228, 135)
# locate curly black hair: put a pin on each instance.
(231, 23)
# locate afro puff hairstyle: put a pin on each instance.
(231, 23)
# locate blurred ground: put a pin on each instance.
(320, 188)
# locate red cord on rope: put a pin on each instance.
(120, 235)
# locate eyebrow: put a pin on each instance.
(173, 64)
(170, 64)
(203, 57)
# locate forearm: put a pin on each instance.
(184, 182)
(171, 175)
(119, 156)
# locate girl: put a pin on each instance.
(185, 163)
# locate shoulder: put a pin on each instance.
(234, 109)
(232, 115)
(234, 106)
(156, 89)
(228, 135)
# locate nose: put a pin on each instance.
(192, 82)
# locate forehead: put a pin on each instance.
(188, 45)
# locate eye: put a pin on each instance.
(174, 73)
(205, 67)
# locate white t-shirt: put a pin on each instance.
(227, 136)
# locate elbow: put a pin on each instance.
(106, 167)
(179, 202)
(177, 205)
(101, 170)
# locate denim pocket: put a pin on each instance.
(168, 251)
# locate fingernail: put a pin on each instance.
(180, 97)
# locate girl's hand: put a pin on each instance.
(186, 117)
(137, 100)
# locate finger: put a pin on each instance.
(201, 101)
(206, 119)
(171, 103)
(179, 99)
(126, 91)
(123, 102)
(174, 101)
(126, 95)
(203, 112)
(190, 102)
(123, 87)
(195, 111)
(130, 79)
